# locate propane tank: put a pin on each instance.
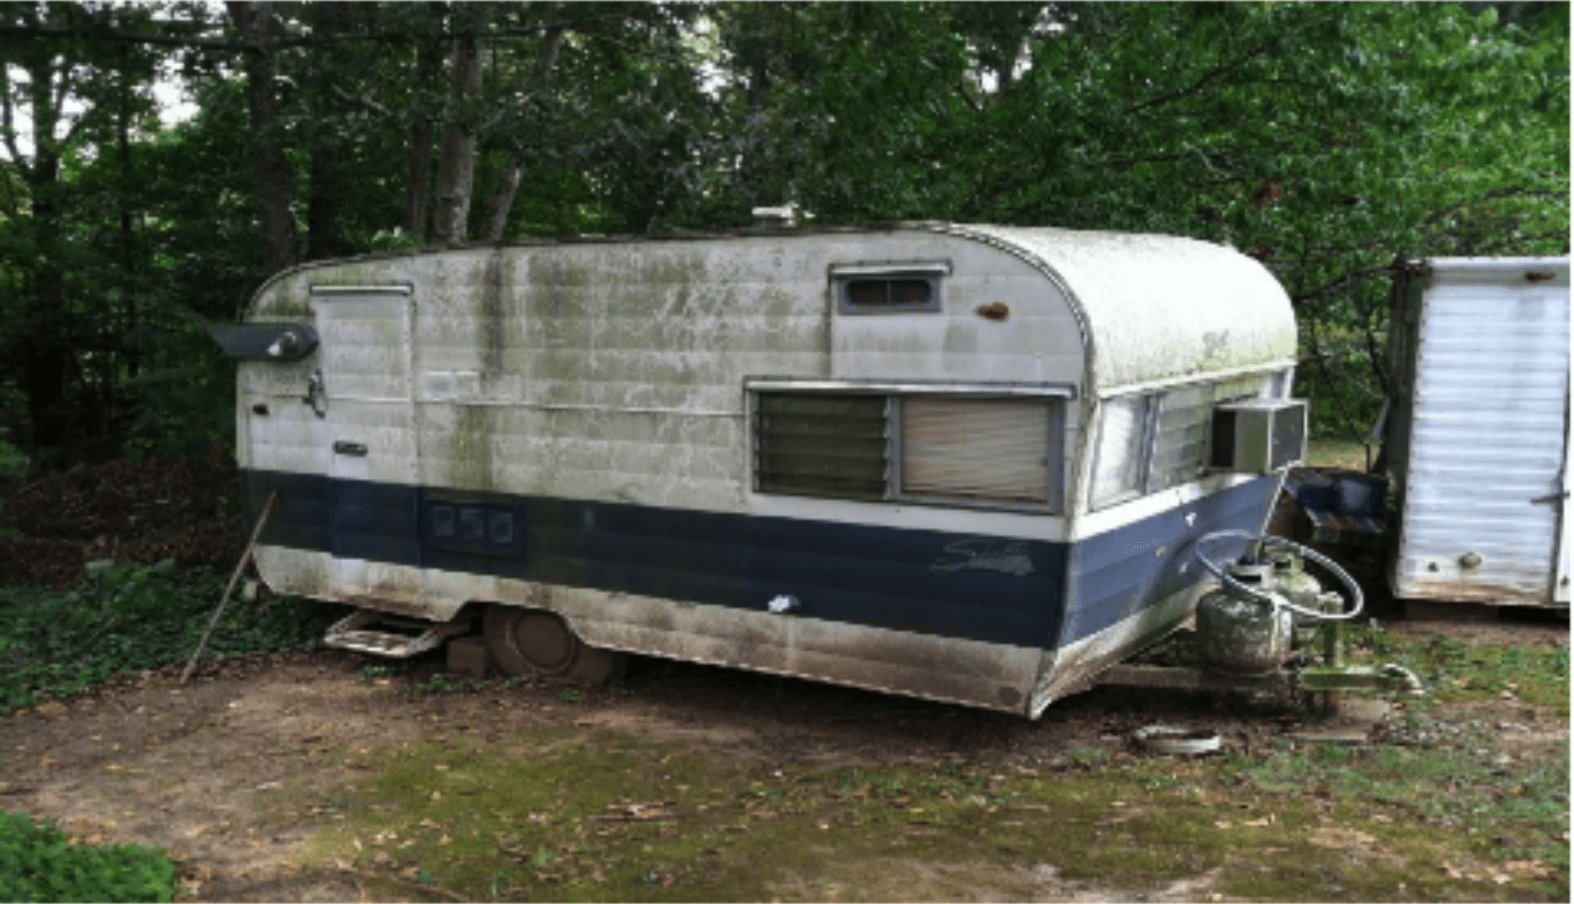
(1291, 578)
(1245, 633)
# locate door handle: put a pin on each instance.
(341, 447)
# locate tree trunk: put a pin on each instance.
(508, 181)
(254, 22)
(325, 198)
(503, 199)
(418, 147)
(456, 170)
(44, 359)
(44, 349)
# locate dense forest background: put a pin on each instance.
(1326, 140)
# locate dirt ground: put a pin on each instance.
(206, 769)
(222, 771)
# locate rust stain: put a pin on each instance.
(383, 604)
(994, 310)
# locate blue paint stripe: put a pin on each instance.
(857, 574)
(1115, 574)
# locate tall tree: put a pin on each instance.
(256, 26)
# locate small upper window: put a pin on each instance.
(887, 288)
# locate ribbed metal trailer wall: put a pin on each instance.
(1482, 431)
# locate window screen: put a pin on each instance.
(894, 287)
(946, 448)
(976, 448)
(822, 444)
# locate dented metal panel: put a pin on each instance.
(1484, 408)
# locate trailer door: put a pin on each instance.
(366, 401)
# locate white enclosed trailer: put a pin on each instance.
(1478, 430)
(965, 463)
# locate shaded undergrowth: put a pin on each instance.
(124, 618)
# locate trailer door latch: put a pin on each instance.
(316, 394)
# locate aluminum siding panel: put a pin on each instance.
(1487, 431)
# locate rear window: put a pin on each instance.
(888, 288)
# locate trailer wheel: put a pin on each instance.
(530, 642)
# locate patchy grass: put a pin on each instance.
(621, 818)
(1457, 672)
(1447, 808)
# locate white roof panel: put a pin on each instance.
(1156, 307)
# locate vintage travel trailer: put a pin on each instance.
(965, 463)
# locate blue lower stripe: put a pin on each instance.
(931, 582)
(1005, 590)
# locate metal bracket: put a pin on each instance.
(1386, 677)
(316, 394)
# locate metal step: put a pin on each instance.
(365, 631)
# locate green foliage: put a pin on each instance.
(13, 462)
(1326, 140)
(39, 863)
(125, 618)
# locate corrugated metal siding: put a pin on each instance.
(1487, 435)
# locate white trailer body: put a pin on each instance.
(964, 463)
(1478, 431)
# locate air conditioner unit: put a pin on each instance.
(1259, 436)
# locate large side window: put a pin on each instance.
(984, 449)
(822, 444)
(989, 452)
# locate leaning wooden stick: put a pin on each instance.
(240, 566)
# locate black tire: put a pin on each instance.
(528, 643)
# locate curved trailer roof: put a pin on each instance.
(1157, 307)
(1152, 308)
